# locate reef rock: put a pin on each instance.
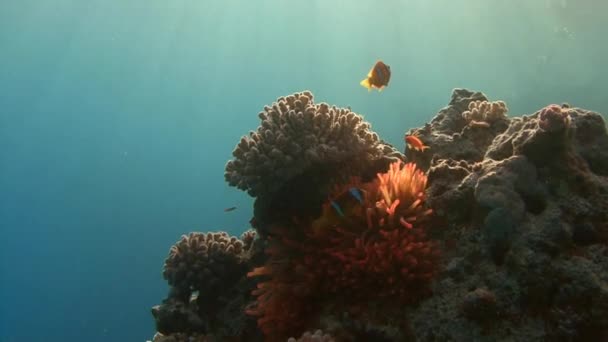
(525, 219)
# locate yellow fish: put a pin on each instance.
(378, 77)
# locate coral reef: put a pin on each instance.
(345, 241)
(298, 153)
(376, 241)
(451, 135)
(512, 251)
(208, 288)
(203, 262)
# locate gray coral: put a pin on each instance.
(296, 134)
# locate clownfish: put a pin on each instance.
(378, 77)
(415, 143)
(355, 193)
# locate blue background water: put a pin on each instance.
(117, 118)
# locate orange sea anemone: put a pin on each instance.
(375, 250)
(397, 196)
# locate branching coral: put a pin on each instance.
(374, 249)
(248, 237)
(296, 134)
(484, 113)
(203, 262)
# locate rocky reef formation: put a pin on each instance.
(499, 231)
(206, 273)
(298, 153)
(526, 227)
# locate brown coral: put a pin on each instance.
(296, 134)
(204, 262)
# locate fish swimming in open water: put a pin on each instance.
(229, 209)
(378, 77)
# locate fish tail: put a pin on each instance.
(366, 84)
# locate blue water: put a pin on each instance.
(117, 118)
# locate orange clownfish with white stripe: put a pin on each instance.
(413, 142)
(378, 77)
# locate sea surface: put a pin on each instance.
(117, 118)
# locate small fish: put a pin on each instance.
(356, 194)
(378, 77)
(337, 208)
(229, 209)
(415, 143)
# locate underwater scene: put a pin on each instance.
(322, 170)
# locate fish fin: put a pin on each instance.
(380, 89)
(356, 194)
(337, 208)
(366, 84)
(371, 72)
(425, 148)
